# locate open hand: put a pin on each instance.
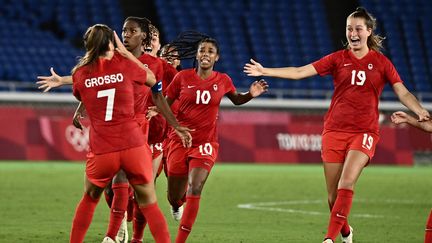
(258, 87)
(253, 69)
(399, 117)
(48, 82)
(185, 136)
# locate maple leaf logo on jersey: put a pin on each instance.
(215, 87)
(370, 66)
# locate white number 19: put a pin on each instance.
(361, 75)
(367, 141)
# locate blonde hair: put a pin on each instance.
(96, 42)
(374, 41)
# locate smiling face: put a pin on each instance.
(357, 33)
(132, 35)
(207, 55)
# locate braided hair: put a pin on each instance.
(187, 42)
(144, 25)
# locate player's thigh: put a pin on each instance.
(101, 168)
(137, 164)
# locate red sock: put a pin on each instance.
(339, 213)
(108, 198)
(82, 219)
(428, 234)
(188, 219)
(139, 223)
(118, 208)
(157, 223)
(130, 208)
(345, 231)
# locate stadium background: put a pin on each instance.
(282, 127)
(38, 34)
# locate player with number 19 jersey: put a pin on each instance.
(107, 91)
(198, 103)
(358, 83)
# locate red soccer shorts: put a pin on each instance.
(335, 145)
(181, 160)
(136, 162)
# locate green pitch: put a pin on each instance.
(241, 203)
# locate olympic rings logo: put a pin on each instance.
(77, 138)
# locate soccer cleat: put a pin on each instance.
(328, 241)
(349, 238)
(122, 234)
(108, 240)
(177, 214)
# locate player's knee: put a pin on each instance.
(195, 188)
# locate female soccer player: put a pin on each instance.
(103, 81)
(400, 117)
(198, 92)
(351, 124)
(136, 34)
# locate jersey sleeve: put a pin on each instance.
(75, 90)
(390, 73)
(173, 89)
(229, 85)
(135, 72)
(325, 65)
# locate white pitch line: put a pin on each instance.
(271, 206)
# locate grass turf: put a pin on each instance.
(391, 204)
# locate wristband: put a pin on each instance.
(157, 87)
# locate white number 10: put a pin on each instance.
(110, 93)
(203, 97)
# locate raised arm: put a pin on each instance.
(48, 82)
(400, 117)
(410, 101)
(256, 69)
(151, 79)
(256, 89)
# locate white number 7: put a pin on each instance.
(110, 93)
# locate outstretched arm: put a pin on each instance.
(164, 108)
(48, 82)
(256, 89)
(400, 117)
(410, 101)
(256, 69)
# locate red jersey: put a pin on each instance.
(198, 102)
(143, 93)
(106, 89)
(158, 123)
(168, 75)
(358, 83)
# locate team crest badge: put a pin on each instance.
(370, 66)
(215, 87)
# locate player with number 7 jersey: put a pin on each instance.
(104, 81)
